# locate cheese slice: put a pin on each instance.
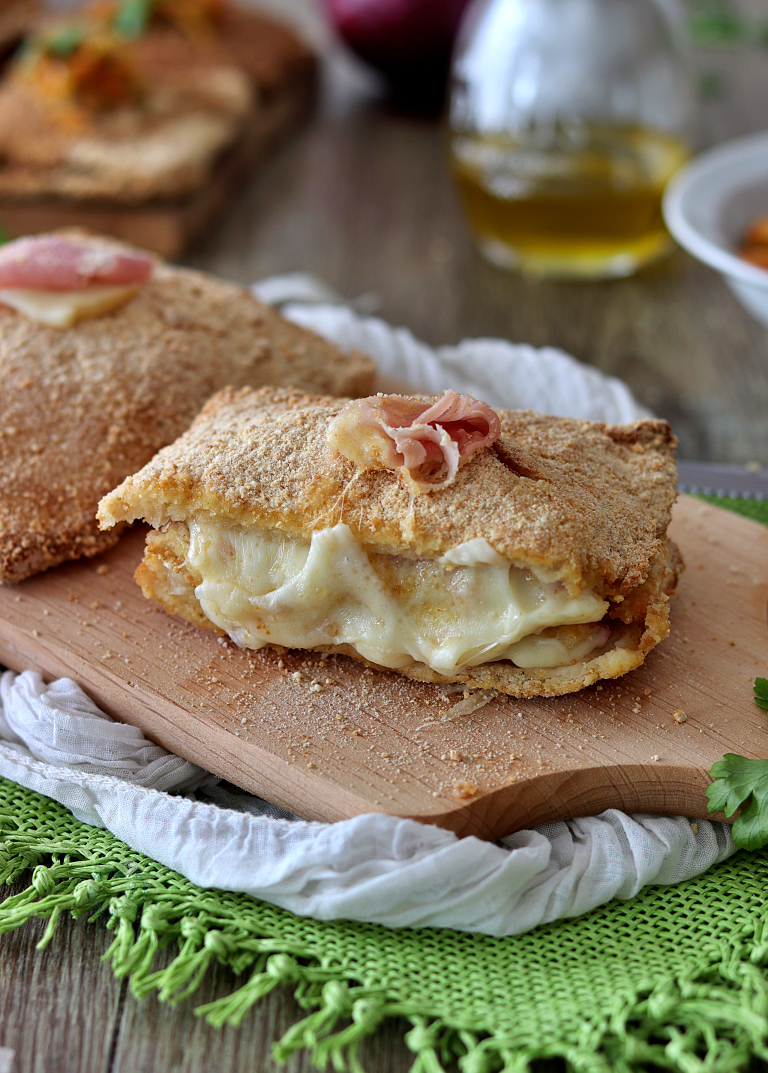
(62, 309)
(469, 607)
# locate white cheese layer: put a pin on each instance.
(62, 309)
(469, 607)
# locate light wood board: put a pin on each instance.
(170, 227)
(329, 739)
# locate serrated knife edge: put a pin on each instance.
(715, 479)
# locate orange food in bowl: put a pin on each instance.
(754, 245)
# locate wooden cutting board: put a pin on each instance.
(328, 739)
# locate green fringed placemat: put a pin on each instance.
(676, 978)
(756, 509)
(673, 978)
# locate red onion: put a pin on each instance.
(410, 41)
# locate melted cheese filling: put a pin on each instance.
(468, 607)
(62, 309)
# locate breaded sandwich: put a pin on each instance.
(430, 536)
(132, 103)
(106, 355)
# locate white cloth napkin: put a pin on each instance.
(53, 739)
(378, 868)
(506, 375)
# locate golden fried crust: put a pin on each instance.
(50, 147)
(165, 576)
(202, 95)
(580, 501)
(81, 408)
(195, 111)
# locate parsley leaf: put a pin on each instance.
(742, 782)
(761, 693)
(132, 18)
(739, 781)
(65, 42)
(720, 22)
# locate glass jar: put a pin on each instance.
(567, 119)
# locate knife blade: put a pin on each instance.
(714, 479)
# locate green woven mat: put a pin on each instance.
(675, 979)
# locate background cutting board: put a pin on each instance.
(329, 739)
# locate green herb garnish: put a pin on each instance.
(761, 693)
(739, 781)
(64, 43)
(132, 18)
(721, 22)
(743, 783)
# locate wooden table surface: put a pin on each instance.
(362, 198)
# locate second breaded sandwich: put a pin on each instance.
(106, 355)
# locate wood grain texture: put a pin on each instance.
(59, 1008)
(62, 1011)
(156, 1037)
(330, 738)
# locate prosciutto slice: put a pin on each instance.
(55, 263)
(426, 441)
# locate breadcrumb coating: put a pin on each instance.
(201, 96)
(81, 408)
(578, 501)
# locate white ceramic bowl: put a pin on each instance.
(709, 204)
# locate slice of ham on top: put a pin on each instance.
(427, 441)
(56, 263)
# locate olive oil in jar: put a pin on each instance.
(587, 206)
